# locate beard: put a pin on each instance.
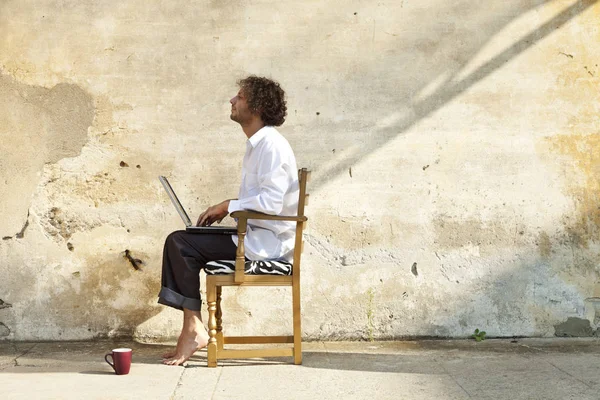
(240, 119)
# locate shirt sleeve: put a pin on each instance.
(272, 187)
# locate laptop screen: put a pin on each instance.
(175, 200)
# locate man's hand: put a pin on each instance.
(213, 214)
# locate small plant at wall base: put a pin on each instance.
(371, 295)
(478, 335)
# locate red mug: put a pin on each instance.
(121, 360)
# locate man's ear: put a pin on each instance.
(257, 113)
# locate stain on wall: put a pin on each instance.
(544, 245)
(581, 171)
(4, 330)
(456, 232)
(115, 283)
(39, 126)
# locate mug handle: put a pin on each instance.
(110, 363)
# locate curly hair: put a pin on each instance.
(266, 98)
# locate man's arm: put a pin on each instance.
(272, 187)
(214, 213)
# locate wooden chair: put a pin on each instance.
(249, 273)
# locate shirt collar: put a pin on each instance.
(258, 136)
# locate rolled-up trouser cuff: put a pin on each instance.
(173, 299)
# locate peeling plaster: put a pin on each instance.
(574, 327)
(50, 124)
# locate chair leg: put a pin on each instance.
(297, 324)
(219, 316)
(211, 300)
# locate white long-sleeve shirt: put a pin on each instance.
(269, 185)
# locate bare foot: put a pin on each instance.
(172, 352)
(186, 346)
(169, 353)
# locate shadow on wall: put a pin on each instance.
(460, 50)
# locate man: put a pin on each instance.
(269, 185)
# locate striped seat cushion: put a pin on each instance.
(223, 267)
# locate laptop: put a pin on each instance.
(189, 227)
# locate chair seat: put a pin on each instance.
(273, 267)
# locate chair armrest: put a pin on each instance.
(243, 216)
(258, 215)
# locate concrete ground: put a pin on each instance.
(433, 369)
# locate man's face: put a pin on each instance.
(239, 108)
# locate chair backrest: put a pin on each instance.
(303, 177)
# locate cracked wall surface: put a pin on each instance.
(39, 126)
(455, 162)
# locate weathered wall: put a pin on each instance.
(455, 150)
